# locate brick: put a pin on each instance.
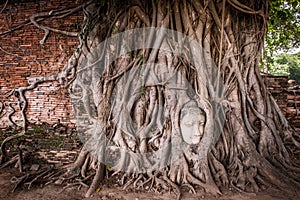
(15, 70)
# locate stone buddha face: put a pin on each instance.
(192, 122)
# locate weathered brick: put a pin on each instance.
(287, 99)
(15, 70)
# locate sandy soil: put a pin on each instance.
(52, 192)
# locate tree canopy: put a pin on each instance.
(287, 65)
(283, 27)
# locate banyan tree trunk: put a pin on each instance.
(169, 93)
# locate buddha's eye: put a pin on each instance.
(183, 113)
(190, 123)
(195, 111)
(201, 124)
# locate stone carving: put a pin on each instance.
(192, 123)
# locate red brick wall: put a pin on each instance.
(292, 112)
(22, 56)
(286, 97)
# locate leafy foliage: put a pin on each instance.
(284, 25)
(283, 36)
(287, 65)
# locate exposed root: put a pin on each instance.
(11, 161)
(96, 180)
(3, 157)
(78, 182)
(18, 181)
(29, 184)
(190, 187)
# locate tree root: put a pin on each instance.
(3, 153)
(96, 180)
(18, 181)
(79, 183)
(29, 184)
(11, 161)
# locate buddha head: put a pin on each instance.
(192, 122)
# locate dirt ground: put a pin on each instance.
(52, 192)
